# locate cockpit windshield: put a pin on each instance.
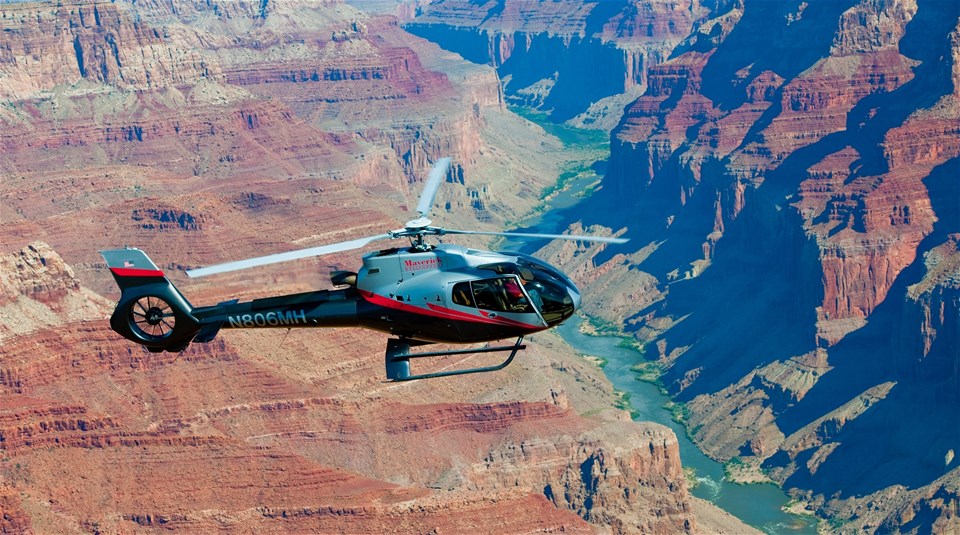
(549, 290)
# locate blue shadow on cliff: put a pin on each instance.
(582, 69)
(903, 438)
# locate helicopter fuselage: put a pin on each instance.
(446, 293)
(450, 293)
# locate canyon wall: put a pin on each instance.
(573, 59)
(272, 110)
(205, 131)
(789, 182)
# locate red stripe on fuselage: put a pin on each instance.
(136, 272)
(443, 312)
(485, 318)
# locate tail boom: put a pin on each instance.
(153, 313)
(323, 308)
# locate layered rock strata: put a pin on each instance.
(573, 59)
(161, 113)
(202, 131)
(99, 434)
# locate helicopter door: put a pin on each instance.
(502, 294)
(493, 297)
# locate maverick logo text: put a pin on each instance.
(419, 265)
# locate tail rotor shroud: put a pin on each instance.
(152, 318)
(151, 311)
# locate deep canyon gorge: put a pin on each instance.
(789, 180)
(787, 173)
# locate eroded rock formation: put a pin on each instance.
(99, 434)
(573, 59)
(164, 112)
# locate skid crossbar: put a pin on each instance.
(398, 360)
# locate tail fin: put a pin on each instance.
(151, 311)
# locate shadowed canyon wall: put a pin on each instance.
(573, 59)
(798, 173)
(789, 181)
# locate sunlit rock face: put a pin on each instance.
(240, 125)
(96, 432)
(789, 179)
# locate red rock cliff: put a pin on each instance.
(201, 131)
(199, 118)
(569, 58)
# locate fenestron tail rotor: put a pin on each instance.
(152, 318)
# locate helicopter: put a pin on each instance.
(420, 294)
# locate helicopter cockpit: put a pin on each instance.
(541, 286)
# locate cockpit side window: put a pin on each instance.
(550, 291)
(462, 295)
(502, 294)
(548, 288)
(486, 296)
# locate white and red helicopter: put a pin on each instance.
(420, 293)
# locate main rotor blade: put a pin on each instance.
(434, 179)
(283, 257)
(600, 239)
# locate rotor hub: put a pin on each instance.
(418, 224)
(154, 316)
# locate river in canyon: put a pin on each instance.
(759, 505)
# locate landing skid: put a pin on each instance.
(398, 359)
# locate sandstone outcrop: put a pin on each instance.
(14, 519)
(591, 475)
(163, 113)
